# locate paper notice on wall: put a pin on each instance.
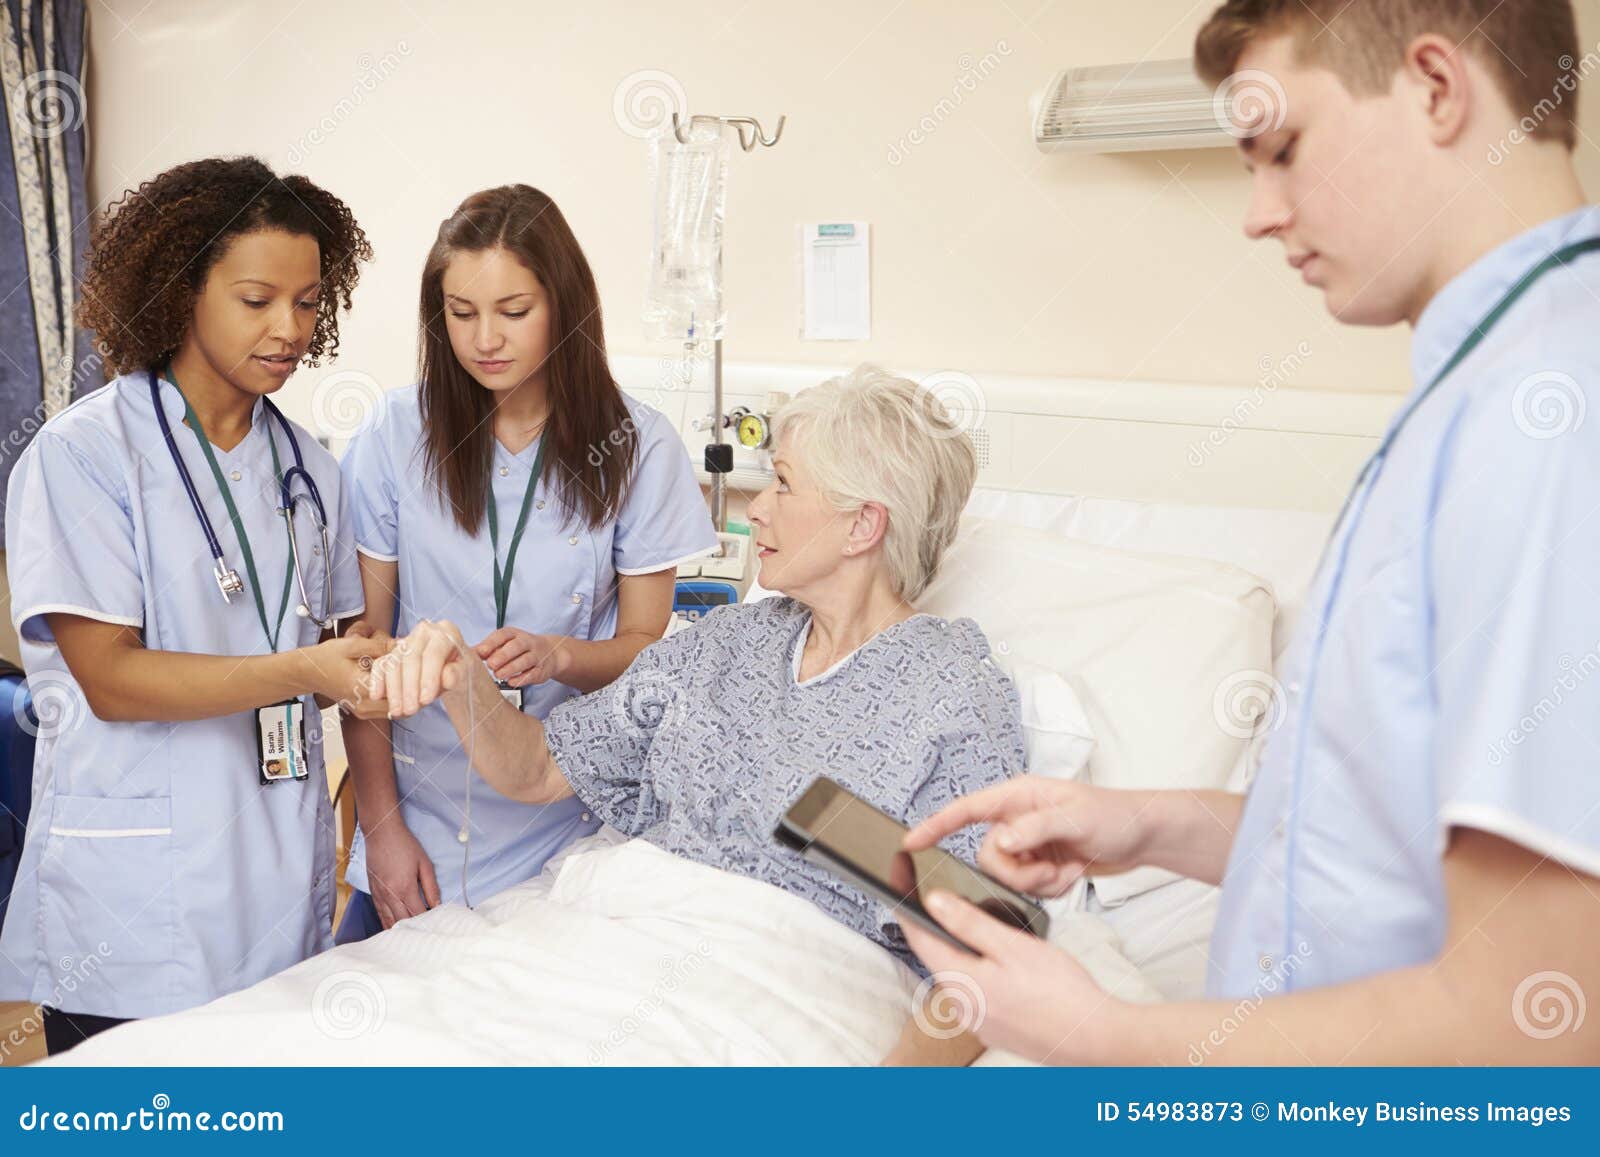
(838, 286)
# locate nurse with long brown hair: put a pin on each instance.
(516, 491)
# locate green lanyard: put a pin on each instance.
(502, 579)
(1480, 331)
(193, 421)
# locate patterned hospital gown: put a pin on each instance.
(708, 738)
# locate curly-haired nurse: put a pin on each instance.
(180, 842)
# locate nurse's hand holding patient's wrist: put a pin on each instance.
(336, 668)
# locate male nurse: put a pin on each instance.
(1414, 876)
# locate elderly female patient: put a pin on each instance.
(713, 732)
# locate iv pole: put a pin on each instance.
(719, 454)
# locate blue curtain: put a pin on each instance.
(44, 218)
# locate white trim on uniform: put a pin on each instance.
(109, 833)
(1518, 830)
(673, 564)
(375, 555)
(17, 619)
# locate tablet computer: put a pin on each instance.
(837, 830)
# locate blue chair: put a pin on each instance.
(17, 728)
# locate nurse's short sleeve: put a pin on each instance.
(1515, 571)
(348, 597)
(69, 540)
(664, 520)
(369, 477)
(602, 741)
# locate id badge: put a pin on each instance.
(281, 741)
(512, 695)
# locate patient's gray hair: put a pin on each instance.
(873, 437)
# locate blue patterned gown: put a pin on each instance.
(709, 736)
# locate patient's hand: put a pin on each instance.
(522, 659)
(944, 1047)
(431, 661)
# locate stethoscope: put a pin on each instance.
(1369, 472)
(228, 580)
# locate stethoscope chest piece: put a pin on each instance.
(228, 582)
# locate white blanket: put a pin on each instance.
(619, 954)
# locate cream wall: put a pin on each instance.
(989, 256)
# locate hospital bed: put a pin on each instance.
(1142, 631)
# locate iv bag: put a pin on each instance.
(690, 186)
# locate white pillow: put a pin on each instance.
(1282, 546)
(1055, 729)
(1150, 644)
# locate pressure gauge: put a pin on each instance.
(753, 432)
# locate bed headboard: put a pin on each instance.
(1256, 445)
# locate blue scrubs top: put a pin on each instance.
(564, 583)
(1446, 672)
(158, 872)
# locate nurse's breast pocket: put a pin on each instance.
(106, 879)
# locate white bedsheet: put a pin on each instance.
(621, 954)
